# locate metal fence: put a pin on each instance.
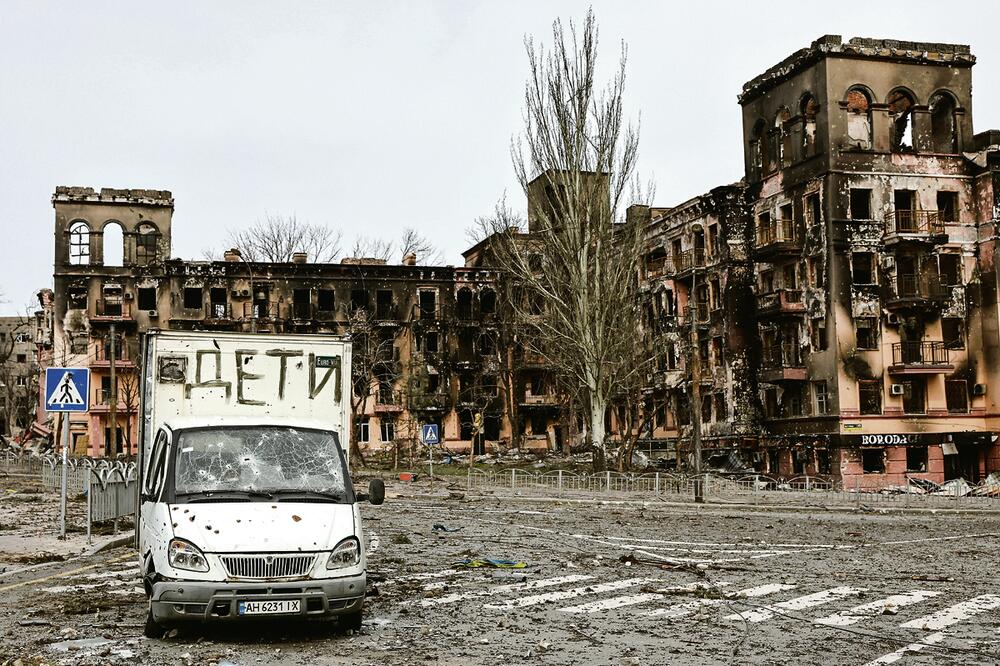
(110, 494)
(754, 488)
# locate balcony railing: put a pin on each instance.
(102, 355)
(920, 353)
(219, 311)
(927, 222)
(688, 259)
(260, 310)
(113, 309)
(786, 355)
(386, 312)
(301, 311)
(779, 231)
(781, 300)
(543, 399)
(913, 287)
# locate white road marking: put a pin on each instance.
(132, 571)
(955, 614)
(893, 657)
(500, 589)
(858, 613)
(680, 610)
(798, 603)
(633, 599)
(536, 599)
(423, 576)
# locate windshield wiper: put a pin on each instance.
(308, 495)
(225, 496)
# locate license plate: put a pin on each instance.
(269, 607)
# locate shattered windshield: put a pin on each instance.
(263, 459)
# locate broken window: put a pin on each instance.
(823, 461)
(146, 239)
(706, 408)
(114, 244)
(814, 266)
(817, 334)
(914, 396)
(384, 308)
(771, 403)
(703, 351)
(808, 110)
(859, 119)
(491, 427)
(821, 397)
(466, 343)
(217, 298)
(146, 298)
(714, 246)
(359, 300)
(861, 203)
(766, 282)
(814, 214)
(792, 401)
(428, 304)
(905, 202)
(757, 149)
(388, 430)
(947, 205)
(487, 301)
(944, 138)
(873, 461)
(950, 269)
(192, 298)
(433, 381)
(486, 345)
(463, 303)
(79, 243)
(789, 277)
(430, 342)
(717, 351)
(901, 121)
(870, 396)
(715, 294)
(325, 300)
(721, 408)
(774, 461)
(863, 268)
(916, 459)
(302, 303)
(866, 332)
(77, 297)
(363, 429)
(956, 393)
(953, 332)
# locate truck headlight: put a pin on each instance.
(346, 554)
(184, 555)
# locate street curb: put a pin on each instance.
(123, 540)
(709, 504)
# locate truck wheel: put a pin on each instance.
(351, 621)
(152, 628)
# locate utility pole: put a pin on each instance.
(699, 491)
(112, 357)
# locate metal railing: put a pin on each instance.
(220, 311)
(915, 222)
(688, 259)
(785, 355)
(920, 353)
(113, 309)
(913, 286)
(780, 299)
(301, 311)
(779, 231)
(260, 310)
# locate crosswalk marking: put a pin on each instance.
(680, 610)
(858, 613)
(536, 599)
(954, 614)
(501, 589)
(798, 603)
(633, 599)
(893, 657)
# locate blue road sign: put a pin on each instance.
(67, 389)
(429, 433)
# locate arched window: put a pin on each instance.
(79, 243)
(944, 138)
(114, 244)
(900, 121)
(146, 240)
(487, 302)
(808, 109)
(758, 148)
(463, 303)
(859, 119)
(776, 141)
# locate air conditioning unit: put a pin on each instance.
(892, 319)
(153, 314)
(979, 389)
(896, 389)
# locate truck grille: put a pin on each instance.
(267, 566)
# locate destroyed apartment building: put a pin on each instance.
(834, 313)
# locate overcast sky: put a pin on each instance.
(373, 116)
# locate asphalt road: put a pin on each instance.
(744, 586)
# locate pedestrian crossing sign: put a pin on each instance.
(429, 433)
(67, 389)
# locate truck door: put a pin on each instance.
(152, 485)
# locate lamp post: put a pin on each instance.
(699, 490)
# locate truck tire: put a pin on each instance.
(152, 628)
(351, 621)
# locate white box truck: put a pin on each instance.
(246, 506)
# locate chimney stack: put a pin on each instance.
(232, 254)
(410, 259)
(299, 257)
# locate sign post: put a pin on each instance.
(66, 390)
(429, 436)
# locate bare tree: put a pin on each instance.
(415, 243)
(275, 238)
(573, 274)
(367, 247)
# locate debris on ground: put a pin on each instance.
(490, 563)
(438, 527)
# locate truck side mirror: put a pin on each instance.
(376, 491)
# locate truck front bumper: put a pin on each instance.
(185, 601)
